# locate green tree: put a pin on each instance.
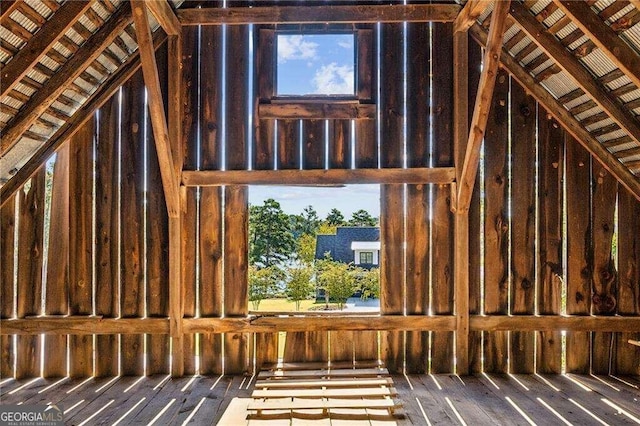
(271, 240)
(368, 282)
(263, 283)
(335, 218)
(306, 248)
(362, 218)
(299, 285)
(338, 281)
(305, 223)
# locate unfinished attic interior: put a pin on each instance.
(504, 136)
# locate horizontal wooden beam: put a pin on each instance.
(554, 323)
(165, 16)
(469, 14)
(64, 76)
(43, 40)
(570, 124)
(252, 324)
(319, 14)
(320, 110)
(603, 36)
(77, 120)
(440, 175)
(549, 44)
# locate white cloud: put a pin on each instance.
(334, 79)
(292, 47)
(346, 44)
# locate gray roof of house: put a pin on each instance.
(339, 245)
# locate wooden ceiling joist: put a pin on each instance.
(7, 7)
(483, 104)
(170, 182)
(616, 49)
(571, 125)
(350, 14)
(555, 50)
(64, 76)
(81, 116)
(165, 16)
(469, 14)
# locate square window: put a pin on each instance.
(315, 64)
(366, 257)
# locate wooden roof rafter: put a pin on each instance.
(605, 38)
(42, 41)
(583, 78)
(165, 16)
(65, 76)
(571, 125)
(469, 14)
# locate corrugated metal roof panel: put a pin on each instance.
(632, 36)
(621, 13)
(618, 82)
(553, 18)
(598, 63)
(560, 84)
(39, 7)
(537, 8)
(613, 135)
(566, 30)
(588, 113)
(602, 4)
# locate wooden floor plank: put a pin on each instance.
(304, 383)
(362, 372)
(420, 402)
(325, 393)
(623, 396)
(19, 390)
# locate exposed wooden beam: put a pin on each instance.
(469, 14)
(253, 324)
(565, 59)
(636, 3)
(461, 218)
(66, 74)
(156, 107)
(356, 14)
(440, 175)
(165, 16)
(77, 120)
(6, 8)
(41, 43)
(482, 105)
(319, 110)
(571, 125)
(618, 51)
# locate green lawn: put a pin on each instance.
(282, 305)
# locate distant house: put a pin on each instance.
(357, 245)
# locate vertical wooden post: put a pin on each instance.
(7, 251)
(57, 294)
(174, 123)
(461, 218)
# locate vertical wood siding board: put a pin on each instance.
(107, 233)
(236, 105)
(7, 251)
(131, 219)
(391, 102)
(57, 297)
(366, 143)
(550, 170)
(496, 224)
(605, 293)
(29, 285)
(81, 245)
(340, 144)
(236, 274)
(341, 346)
(523, 220)
(475, 300)
(579, 266)
(627, 356)
(157, 256)
(288, 144)
(264, 130)
(189, 89)
(442, 226)
(313, 142)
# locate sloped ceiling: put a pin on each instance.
(540, 37)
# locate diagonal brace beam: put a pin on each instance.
(482, 105)
(156, 107)
(165, 16)
(469, 14)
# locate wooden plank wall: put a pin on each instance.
(543, 221)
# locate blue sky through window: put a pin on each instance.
(315, 64)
